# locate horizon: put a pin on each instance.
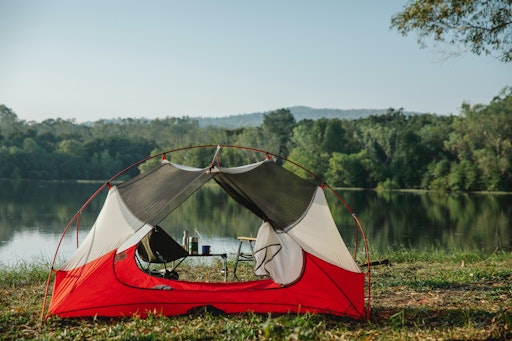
(214, 117)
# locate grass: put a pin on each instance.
(426, 294)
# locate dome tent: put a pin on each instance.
(298, 247)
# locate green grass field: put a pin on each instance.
(419, 295)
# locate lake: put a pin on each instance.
(33, 215)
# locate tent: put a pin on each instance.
(305, 263)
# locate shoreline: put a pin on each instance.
(376, 189)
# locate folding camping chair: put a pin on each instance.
(158, 247)
(243, 256)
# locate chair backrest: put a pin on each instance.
(158, 247)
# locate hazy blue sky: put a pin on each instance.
(105, 59)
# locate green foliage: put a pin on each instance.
(469, 152)
(351, 170)
(277, 130)
(23, 273)
(307, 140)
(387, 184)
(477, 25)
(482, 136)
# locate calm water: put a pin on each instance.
(33, 215)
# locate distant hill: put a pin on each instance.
(299, 112)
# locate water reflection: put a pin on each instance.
(432, 219)
(33, 215)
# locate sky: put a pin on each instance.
(91, 60)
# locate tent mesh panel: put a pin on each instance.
(154, 194)
(271, 192)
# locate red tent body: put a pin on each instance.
(94, 289)
(299, 251)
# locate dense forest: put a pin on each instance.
(468, 152)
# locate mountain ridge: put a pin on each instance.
(299, 112)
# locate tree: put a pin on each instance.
(408, 163)
(479, 26)
(10, 127)
(352, 170)
(307, 140)
(278, 127)
(379, 135)
(483, 136)
(334, 137)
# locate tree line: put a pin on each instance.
(468, 152)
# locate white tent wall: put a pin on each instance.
(135, 238)
(237, 170)
(114, 225)
(317, 234)
(277, 255)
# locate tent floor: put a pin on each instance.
(208, 271)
